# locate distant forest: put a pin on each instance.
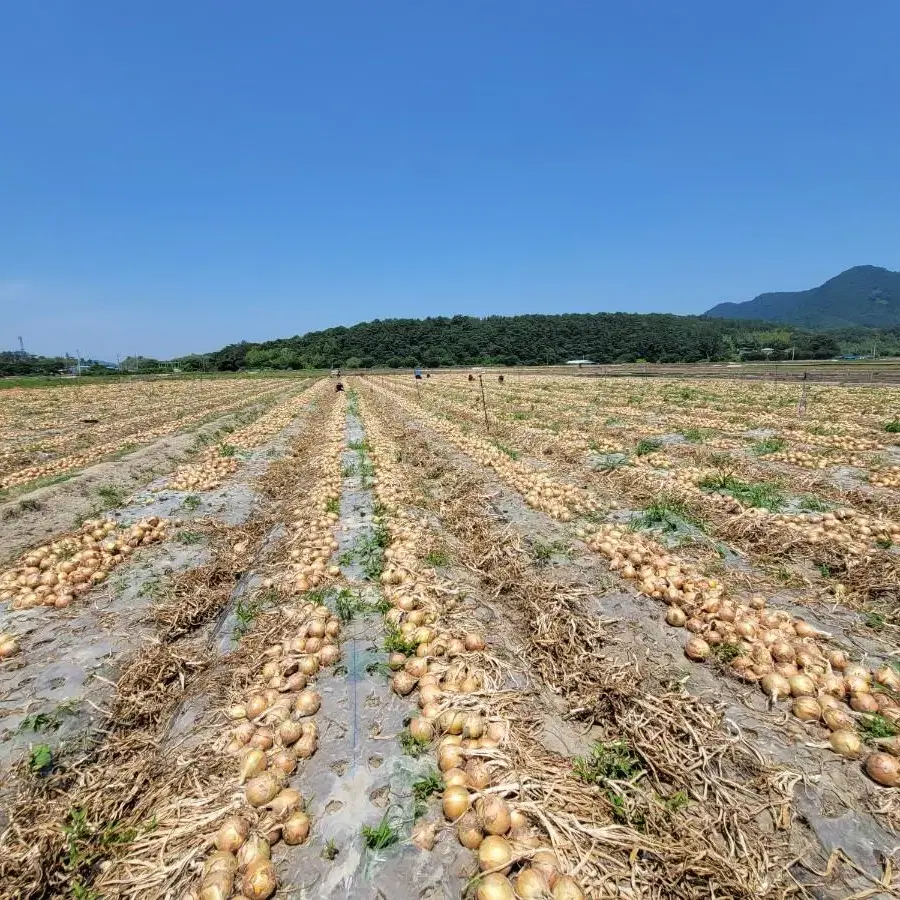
(514, 341)
(540, 340)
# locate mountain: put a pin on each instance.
(863, 295)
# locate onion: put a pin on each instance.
(403, 683)
(287, 801)
(260, 880)
(237, 712)
(217, 886)
(856, 684)
(696, 648)
(838, 720)
(804, 629)
(857, 671)
(468, 831)
(220, 861)
(450, 757)
(284, 761)
(775, 686)
(494, 887)
(306, 746)
(782, 651)
(262, 789)
(807, 709)
(263, 738)
(244, 732)
(296, 828)
(307, 702)
(864, 702)
(495, 852)
(531, 883)
(566, 888)
(231, 834)
(473, 642)
(456, 776)
(888, 677)
(675, 616)
(255, 848)
(252, 763)
(494, 814)
(289, 732)
(396, 661)
(883, 768)
(455, 802)
(256, 706)
(845, 743)
(802, 686)
(416, 666)
(421, 729)
(423, 835)
(478, 774)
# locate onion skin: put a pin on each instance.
(494, 815)
(807, 709)
(468, 831)
(531, 883)
(697, 649)
(775, 686)
(423, 835)
(262, 789)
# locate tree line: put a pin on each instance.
(515, 341)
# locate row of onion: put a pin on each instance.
(785, 655)
(54, 574)
(443, 668)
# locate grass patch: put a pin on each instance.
(333, 505)
(191, 502)
(227, 450)
(246, 611)
(695, 435)
(726, 652)
(412, 746)
(395, 642)
(811, 503)
(762, 494)
(40, 759)
(49, 721)
(768, 445)
(369, 550)
(111, 496)
(543, 552)
(422, 789)
(437, 558)
(892, 427)
(347, 605)
(607, 762)
(668, 514)
(875, 621)
(876, 726)
(382, 835)
(885, 543)
(189, 537)
(509, 451)
(347, 469)
(330, 850)
(647, 446)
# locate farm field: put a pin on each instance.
(551, 637)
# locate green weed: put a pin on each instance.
(768, 445)
(607, 762)
(191, 502)
(382, 835)
(347, 605)
(811, 503)
(330, 850)
(437, 558)
(227, 450)
(875, 621)
(695, 435)
(333, 505)
(422, 789)
(40, 759)
(189, 537)
(892, 427)
(412, 746)
(247, 610)
(877, 726)
(111, 496)
(762, 494)
(543, 552)
(667, 513)
(509, 451)
(647, 446)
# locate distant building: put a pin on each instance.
(580, 362)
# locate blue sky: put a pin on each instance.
(176, 176)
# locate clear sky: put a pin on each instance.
(175, 176)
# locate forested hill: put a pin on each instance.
(519, 340)
(864, 295)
